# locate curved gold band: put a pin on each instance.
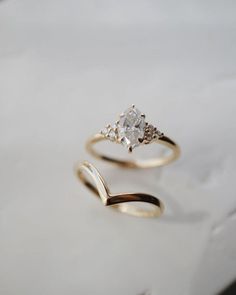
(118, 201)
(149, 163)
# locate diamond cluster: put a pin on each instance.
(131, 130)
(110, 132)
(151, 133)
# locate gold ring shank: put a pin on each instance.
(120, 201)
(148, 163)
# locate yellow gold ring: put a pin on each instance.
(132, 131)
(120, 201)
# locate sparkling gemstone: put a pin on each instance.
(112, 134)
(105, 131)
(131, 127)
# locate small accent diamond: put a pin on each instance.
(110, 132)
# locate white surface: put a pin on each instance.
(66, 69)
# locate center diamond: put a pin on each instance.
(131, 127)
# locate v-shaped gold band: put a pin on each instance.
(121, 201)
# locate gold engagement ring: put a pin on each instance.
(131, 130)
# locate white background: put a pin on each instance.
(66, 69)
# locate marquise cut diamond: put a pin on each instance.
(131, 130)
(131, 127)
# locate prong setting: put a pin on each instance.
(131, 130)
(140, 140)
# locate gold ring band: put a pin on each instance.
(119, 201)
(139, 163)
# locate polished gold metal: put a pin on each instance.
(139, 163)
(119, 201)
(131, 130)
